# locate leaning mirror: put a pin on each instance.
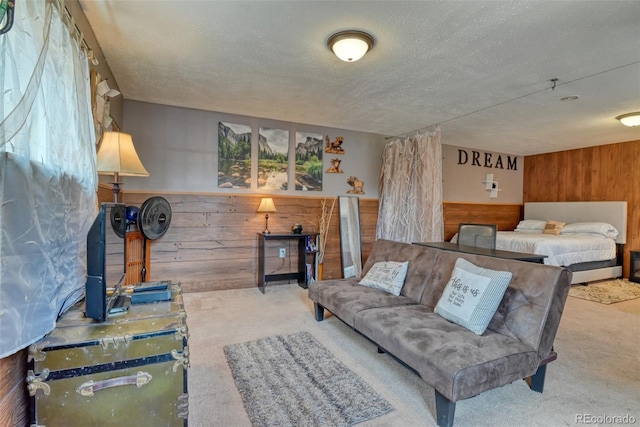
(350, 243)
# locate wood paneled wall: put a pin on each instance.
(105, 193)
(14, 405)
(212, 241)
(603, 173)
(505, 216)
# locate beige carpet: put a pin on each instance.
(607, 291)
(597, 371)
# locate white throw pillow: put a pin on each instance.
(591, 228)
(472, 295)
(553, 227)
(387, 276)
(531, 226)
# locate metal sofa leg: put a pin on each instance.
(319, 311)
(445, 410)
(536, 381)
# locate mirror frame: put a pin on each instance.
(349, 209)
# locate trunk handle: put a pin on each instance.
(91, 387)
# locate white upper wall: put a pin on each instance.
(464, 172)
(179, 148)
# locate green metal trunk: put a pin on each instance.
(130, 370)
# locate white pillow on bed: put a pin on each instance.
(591, 228)
(531, 226)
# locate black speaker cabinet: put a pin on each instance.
(634, 270)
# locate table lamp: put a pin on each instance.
(117, 156)
(266, 206)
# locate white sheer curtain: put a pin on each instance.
(48, 176)
(410, 206)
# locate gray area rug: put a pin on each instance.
(607, 292)
(292, 380)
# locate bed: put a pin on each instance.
(591, 256)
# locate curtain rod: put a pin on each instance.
(73, 28)
(554, 82)
(433, 127)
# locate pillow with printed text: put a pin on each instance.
(472, 295)
(386, 276)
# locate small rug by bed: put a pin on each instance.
(292, 380)
(607, 292)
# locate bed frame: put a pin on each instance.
(615, 213)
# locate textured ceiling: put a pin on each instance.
(479, 69)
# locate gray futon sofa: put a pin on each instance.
(456, 362)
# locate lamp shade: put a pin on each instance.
(351, 45)
(116, 154)
(630, 119)
(266, 205)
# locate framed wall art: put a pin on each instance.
(273, 159)
(309, 148)
(234, 155)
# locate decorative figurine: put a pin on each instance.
(358, 186)
(334, 147)
(335, 166)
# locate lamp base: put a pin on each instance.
(116, 191)
(266, 224)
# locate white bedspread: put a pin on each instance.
(561, 250)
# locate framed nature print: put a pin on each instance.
(309, 149)
(234, 155)
(273, 159)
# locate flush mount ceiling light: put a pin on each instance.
(630, 119)
(350, 45)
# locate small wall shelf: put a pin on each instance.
(491, 186)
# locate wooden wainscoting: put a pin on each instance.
(14, 404)
(212, 241)
(505, 216)
(105, 193)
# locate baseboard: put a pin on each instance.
(599, 274)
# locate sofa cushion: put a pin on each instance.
(421, 261)
(454, 360)
(387, 276)
(472, 295)
(345, 298)
(528, 307)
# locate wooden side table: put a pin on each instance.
(634, 266)
(301, 274)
